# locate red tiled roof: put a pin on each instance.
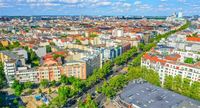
(48, 56)
(50, 62)
(60, 53)
(173, 58)
(153, 58)
(196, 39)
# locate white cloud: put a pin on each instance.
(126, 4)
(140, 6)
(121, 6)
(71, 1)
(4, 5)
(160, 6)
(51, 4)
(181, 0)
(106, 3)
(144, 6)
(137, 2)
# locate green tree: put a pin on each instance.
(78, 42)
(22, 107)
(64, 79)
(15, 101)
(28, 84)
(48, 49)
(134, 73)
(141, 46)
(177, 84)
(44, 83)
(150, 76)
(93, 35)
(108, 90)
(2, 47)
(185, 88)
(189, 60)
(52, 44)
(168, 83)
(55, 56)
(89, 103)
(137, 60)
(71, 79)
(50, 90)
(53, 83)
(195, 90)
(18, 87)
(63, 35)
(61, 99)
(78, 85)
(125, 56)
(33, 59)
(118, 82)
(57, 102)
(30, 91)
(10, 46)
(40, 90)
(2, 76)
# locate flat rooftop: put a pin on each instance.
(146, 95)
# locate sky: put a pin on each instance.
(99, 7)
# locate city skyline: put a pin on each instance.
(98, 7)
(99, 53)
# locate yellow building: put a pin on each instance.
(5, 43)
(3, 57)
(7, 55)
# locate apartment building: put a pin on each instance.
(92, 61)
(110, 53)
(24, 75)
(51, 72)
(52, 69)
(171, 64)
(10, 69)
(119, 32)
(8, 55)
(11, 61)
(182, 42)
(76, 69)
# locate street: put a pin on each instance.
(100, 98)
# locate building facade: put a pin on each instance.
(171, 66)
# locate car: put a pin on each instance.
(93, 95)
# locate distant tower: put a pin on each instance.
(174, 14)
(31, 19)
(180, 15)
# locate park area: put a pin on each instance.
(39, 96)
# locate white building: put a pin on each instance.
(118, 32)
(171, 65)
(24, 75)
(10, 70)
